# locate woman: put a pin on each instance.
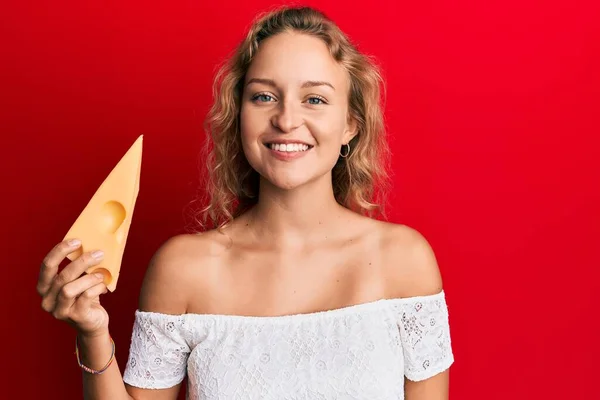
(296, 291)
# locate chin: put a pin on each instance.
(286, 181)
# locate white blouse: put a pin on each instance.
(362, 351)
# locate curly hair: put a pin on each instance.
(359, 180)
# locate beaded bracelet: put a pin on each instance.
(90, 370)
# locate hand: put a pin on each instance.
(68, 295)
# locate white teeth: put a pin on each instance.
(290, 147)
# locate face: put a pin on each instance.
(294, 115)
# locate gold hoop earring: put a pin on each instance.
(347, 153)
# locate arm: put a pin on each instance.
(434, 388)
(163, 291)
(418, 275)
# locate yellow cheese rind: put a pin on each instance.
(105, 221)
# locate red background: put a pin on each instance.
(493, 115)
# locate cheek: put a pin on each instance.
(246, 123)
(328, 131)
(250, 128)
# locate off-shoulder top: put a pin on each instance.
(361, 351)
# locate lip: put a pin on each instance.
(286, 141)
(287, 156)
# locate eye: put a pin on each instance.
(316, 100)
(262, 97)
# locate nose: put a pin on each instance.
(286, 118)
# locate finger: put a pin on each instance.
(49, 265)
(69, 274)
(69, 293)
(85, 300)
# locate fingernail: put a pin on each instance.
(99, 276)
(74, 242)
(98, 254)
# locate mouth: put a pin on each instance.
(289, 147)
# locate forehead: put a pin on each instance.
(292, 58)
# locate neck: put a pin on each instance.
(293, 218)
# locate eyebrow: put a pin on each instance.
(306, 84)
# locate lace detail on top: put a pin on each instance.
(356, 352)
(425, 336)
(158, 351)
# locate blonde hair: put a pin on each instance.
(231, 186)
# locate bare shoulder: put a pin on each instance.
(181, 266)
(410, 264)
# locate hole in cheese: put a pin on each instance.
(112, 216)
(106, 273)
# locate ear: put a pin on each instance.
(351, 129)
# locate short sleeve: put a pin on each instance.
(158, 352)
(425, 335)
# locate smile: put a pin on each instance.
(288, 151)
(289, 147)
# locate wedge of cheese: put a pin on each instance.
(104, 223)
